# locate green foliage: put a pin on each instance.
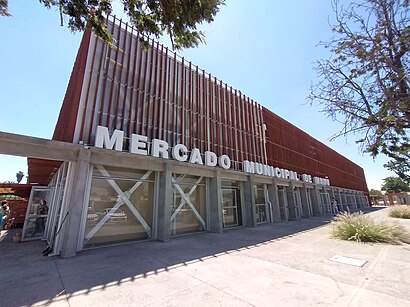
(394, 185)
(4, 8)
(177, 18)
(375, 192)
(365, 84)
(19, 176)
(401, 212)
(360, 228)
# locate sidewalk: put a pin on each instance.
(272, 265)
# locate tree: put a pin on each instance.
(365, 84)
(394, 185)
(177, 18)
(19, 176)
(3, 8)
(374, 192)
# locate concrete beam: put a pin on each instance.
(32, 147)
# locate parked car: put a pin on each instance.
(117, 216)
(92, 216)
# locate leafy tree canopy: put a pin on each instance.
(394, 185)
(3, 8)
(19, 176)
(365, 83)
(375, 192)
(177, 18)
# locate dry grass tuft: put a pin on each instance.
(361, 228)
(401, 212)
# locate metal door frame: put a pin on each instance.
(28, 215)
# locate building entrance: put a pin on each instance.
(326, 204)
(298, 203)
(231, 204)
(261, 207)
(283, 203)
(37, 214)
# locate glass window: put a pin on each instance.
(120, 208)
(188, 211)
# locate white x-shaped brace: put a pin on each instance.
(185, 199)
(123, 199)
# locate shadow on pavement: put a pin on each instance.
(29, 278)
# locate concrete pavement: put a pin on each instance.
(271, 265)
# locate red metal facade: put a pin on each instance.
(289, 147)
(153, 92)
(65, 127)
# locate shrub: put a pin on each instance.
(401, 212)
(360, 228)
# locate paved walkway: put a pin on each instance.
(284, 264)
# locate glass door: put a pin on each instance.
(231, 209)
(37, 213)
(298, 203)
(260, 203)
(283, 203)
(326, 205)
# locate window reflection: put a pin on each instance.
(188, 211)
(120, 207)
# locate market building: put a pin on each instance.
(150, 146)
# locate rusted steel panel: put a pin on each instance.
(153, 92)
(64, 130)
(303, 154)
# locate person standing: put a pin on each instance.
(5, 213)
(40, 222)
(335, 208)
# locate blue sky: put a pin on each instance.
(264, 48)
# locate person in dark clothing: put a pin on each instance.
(40, 222)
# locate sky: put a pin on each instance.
(264, 48)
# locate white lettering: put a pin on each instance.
(267, 170)
(210, 158)
(159, 148)
(138, 144)
(224, 162)
(195, 157)
(103, 140)
(180, 152)
(248, 167)
(259, 168)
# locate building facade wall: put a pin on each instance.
(289, 147)
(117, 195)
(153, 92)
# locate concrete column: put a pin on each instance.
(164, 203)
(215, 223)
(305, 201)
(76, 205)
(343, 199)
(338, 196)
(291, 203)
(249, 203)
(358, 203)
(274, 199)
(316, 202)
